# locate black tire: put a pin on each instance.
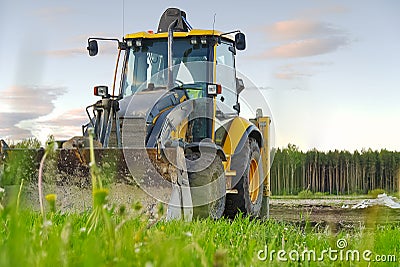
(207, 186)
(249, 204)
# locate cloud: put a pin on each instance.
(302, 38)
(25, 103)
(30, 99)
(8, 130)
(292, 75)
(306, 48)
(69, 118)
(299, 29)
(298, 70)
(61, 126)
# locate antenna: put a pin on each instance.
(215, 14)
(123, 18)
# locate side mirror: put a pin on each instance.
(240, 41)
(93, 48)
(239, 85)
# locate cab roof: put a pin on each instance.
(193, 32)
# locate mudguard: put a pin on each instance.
(238, 133)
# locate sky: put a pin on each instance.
(329, 70)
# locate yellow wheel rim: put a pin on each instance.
(254, 180)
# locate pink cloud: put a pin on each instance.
(306, 48)
(302, 38)
(298, 29)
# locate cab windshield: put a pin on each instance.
(147, 62)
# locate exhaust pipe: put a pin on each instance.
(170, 56)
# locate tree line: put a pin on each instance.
(334, 172)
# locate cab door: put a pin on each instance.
(225, 75)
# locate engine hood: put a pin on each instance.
(140, 104)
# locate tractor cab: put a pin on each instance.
(192, 64)
(175, 64)
(197, 56)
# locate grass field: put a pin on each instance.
(117, 235)
(127, 237)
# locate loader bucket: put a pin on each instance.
(138, 169)
(72, 164)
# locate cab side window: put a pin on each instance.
(226, 76)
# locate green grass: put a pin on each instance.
(25, 240)
(125, 236)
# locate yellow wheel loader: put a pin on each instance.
(174, 122)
